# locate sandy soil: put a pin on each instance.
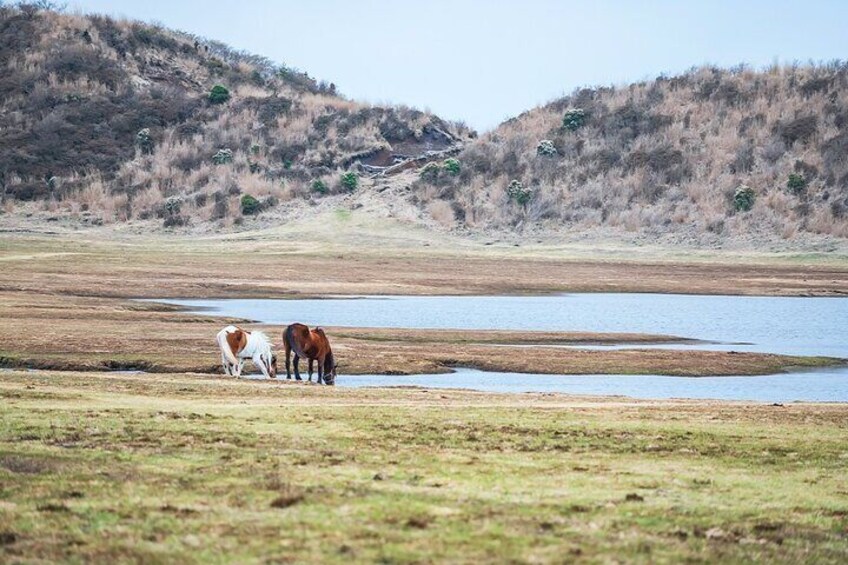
(352, 256)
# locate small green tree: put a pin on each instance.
(250, 205)
(144, 141)
(350, 181)
(743, 198)
(518, 193)
(219, 94)
(170, 212)
(173, 205)
(796, 183)
(452, 166)
(222, 157)
(546, 148)
(430, 172)
(319, 186)
(574, 119)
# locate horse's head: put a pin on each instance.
(330, 376)
(272, 366)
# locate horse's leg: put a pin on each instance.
(311, 361)
(288, 358)
(239, 368)
(320, 370)
(297, 367)
(259, 362)
(226, 365)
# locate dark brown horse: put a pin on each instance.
(313, 345)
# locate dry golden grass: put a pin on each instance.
(726, 127)
(349, 257)
(302, 129)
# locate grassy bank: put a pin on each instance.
(197, 469)
(64, 298)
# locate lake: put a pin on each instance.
(783, 325)
(826, 385)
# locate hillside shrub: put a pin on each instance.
(743, 198)
(144, 141)
(175, 221)
(546, 148)
(796, 183)
(250, 205)
(219, 94)
(518, 193)
(221, 207)
(430, 172)
(173, 205)
(350, 181)
(223, 156)
(452, 166)
(799, 129)
(574, 119)
(319, 186)
(170, 212)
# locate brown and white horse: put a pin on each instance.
(313, 345)
(237, 345)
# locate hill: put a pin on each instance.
(668, 155)
(109, 120)
(124, 123)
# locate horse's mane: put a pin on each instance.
(329, 361)
(261, 339)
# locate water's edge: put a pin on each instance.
(788, 326)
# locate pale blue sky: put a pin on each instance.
(485, 61)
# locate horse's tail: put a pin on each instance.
(225, 347)
(288, 337)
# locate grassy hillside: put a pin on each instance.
(111, 120)
(667, 155)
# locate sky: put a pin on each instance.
(484, 61)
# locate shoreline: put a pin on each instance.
(460, 390)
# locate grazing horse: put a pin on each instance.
(313, 345)
(237, 345)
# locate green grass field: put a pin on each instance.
(164, 468)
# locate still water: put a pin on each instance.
(785, 325)
(826, 385)
(788, 325)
